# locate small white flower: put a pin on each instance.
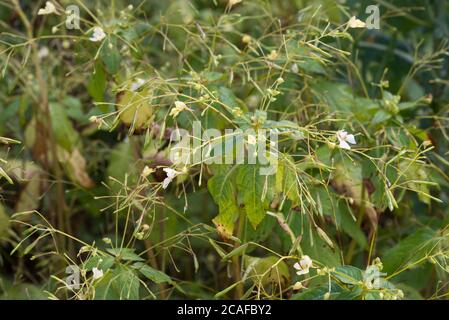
(97, 273)
(343, 137)
(95, 119)
(171, 174)
(49, 9)
(179, 107)
(252, 139)
(98, 35)
(294, 68)
(298, 286)
(137, 84)
(43, 52)
(280, 80)
(356, 23)
(303, 266)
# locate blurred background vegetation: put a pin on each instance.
(75, 140)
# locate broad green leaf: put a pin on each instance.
(250, 184)
(21, 291)
(154, 275)
(121, 162)
(268, 270)
(312, 244)
(101, 262)
(65, 134)
(227, 97)
(286, 178)
(349, 225)
(97, 83)
(110, 55)
(348, 274)
(409, 249)
(119, 284)
(222, 189)
(126, 254)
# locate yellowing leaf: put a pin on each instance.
(286, 179)
(135, 108)
(75, 165)
(223, 191)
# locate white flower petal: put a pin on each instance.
(344, 145)
(252, 139)
(171, 173)
(305, 262)
(180, 105)
(49, 9)
(294, 68)
(166, 182)
(350, 138)
(97, 273)
(98, 34)
(356, 23)
(43, 52)
(305, 271)
(137, 84)
(341, 134)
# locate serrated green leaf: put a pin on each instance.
(126, 254)
(409, 249)
(65, 134)
(250, 184)
(154, 275)
(119, 284)
(222, 189)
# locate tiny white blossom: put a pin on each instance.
(356, 23)
(280, 80)
(49, 9)
(298, 286)
(43, 52)
(95, 119)
(179, 107)
(252, 139)
(294, 68)
(171, 174)
(303, 266)
(343, 137)
(97, 273)
(137, 84)
(98, 35)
